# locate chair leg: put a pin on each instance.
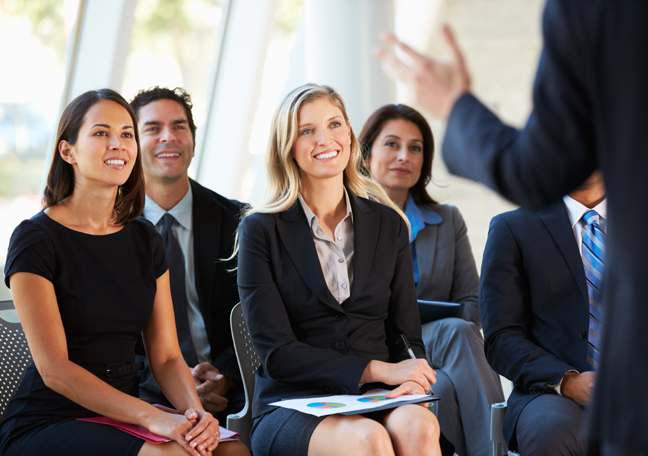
(434, 408)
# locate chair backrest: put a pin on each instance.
(249, 362)
(15, 357)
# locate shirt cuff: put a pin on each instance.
(557, 387)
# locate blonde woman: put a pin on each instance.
(326, 284)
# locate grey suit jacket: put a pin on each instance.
(446, 265)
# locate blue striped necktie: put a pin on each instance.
(593, 251)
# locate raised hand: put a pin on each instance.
(435, 85)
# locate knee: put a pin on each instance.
(459, 328)
(371, 438)
(425, 428)
(231, 449)
(554, 434)
(414, 425)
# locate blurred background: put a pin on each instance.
(237, 59)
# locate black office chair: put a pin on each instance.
(249, 362)
(15, 357)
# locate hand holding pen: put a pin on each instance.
(416, 376)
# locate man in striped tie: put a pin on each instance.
(538, 299)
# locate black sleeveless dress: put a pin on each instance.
(105, 287)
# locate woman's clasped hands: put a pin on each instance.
(196, 431)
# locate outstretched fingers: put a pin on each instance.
(458, 57)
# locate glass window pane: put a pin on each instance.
(173, 45)
(33, 34)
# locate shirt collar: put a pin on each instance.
(181, 211)
(419, 216)
(576, 210)
(312, 218)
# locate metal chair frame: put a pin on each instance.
(497, 430)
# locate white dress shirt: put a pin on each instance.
(184, 233)
(335, 255)
(575, 211)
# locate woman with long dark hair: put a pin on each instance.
(398, 149)
(87, 277)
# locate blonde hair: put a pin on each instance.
(284, 181)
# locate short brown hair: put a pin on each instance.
(179, 95)
(374, 125)
(129, 202)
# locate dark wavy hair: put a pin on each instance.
(156, 93)
(129, 201)
(374, 125)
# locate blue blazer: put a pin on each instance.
(310, 344)
(533, 303)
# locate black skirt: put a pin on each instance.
(285, 432)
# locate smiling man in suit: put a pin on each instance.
(198, 229)
(538, 301)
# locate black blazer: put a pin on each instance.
(590, 100)
(309, 344)
(214, 223)
(533, 303)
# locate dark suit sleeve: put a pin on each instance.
(556, 151)
(465, 280)
(284, 357)
(403, 313)
(226, 363)
(506, 312)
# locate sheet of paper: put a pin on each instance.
(347, 403)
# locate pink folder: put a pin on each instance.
(138, 431)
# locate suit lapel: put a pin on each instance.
(297, 238)
(206, 218)
(426, 243)
(557, 222)
(366, 226)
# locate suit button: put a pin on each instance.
(583, 334)
(337, 390)
(327, 388)
(338, 315)
(340, 345)
(347, 391)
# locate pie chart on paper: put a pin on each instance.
(326, 405)
(372, 399)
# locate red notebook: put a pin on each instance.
(138, 431)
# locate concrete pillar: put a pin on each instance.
(103, 46)
(223, 153)
(339, 36)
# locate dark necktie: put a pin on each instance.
(176, 261)
(593, 251)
